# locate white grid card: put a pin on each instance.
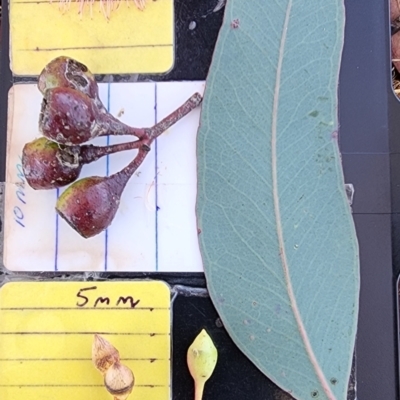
(155, 227)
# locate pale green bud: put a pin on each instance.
(202, 358)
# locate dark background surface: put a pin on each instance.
(369, 117)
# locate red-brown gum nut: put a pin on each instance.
(396, 50)
(89, 205)
(67, 116)
(53, 75)
(42, 169)
(394, 9)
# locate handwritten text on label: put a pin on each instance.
(20, 193)
(84, 299)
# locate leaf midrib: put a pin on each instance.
(282, 252)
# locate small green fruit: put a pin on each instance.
(202, 358)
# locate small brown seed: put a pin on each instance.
(119, 381)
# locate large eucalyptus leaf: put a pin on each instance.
(278, 242)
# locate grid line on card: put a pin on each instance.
(81, 309)
(80, 333)
(155, 45)
(107, 173)
(41, 359)
(73, 386)
(156, 172)
(56, 237)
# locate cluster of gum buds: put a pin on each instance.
(72, 114)
(118, 378)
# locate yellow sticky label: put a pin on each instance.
(131, 41)
(46, 336)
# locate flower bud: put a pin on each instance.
(202, 358)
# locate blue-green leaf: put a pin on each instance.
(277, 237)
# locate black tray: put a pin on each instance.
(369, 117)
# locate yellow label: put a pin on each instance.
(131, 41)
(46, 336)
